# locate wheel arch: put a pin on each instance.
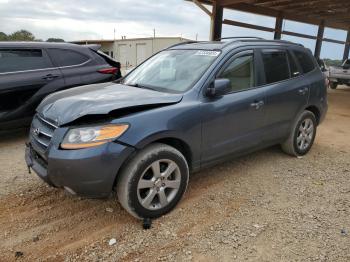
(314, 109)
(165, 138)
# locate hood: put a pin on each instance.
(66, 106)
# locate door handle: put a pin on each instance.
(257, 104)
(49, 77)
(303, 91)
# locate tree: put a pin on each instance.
(55, 40)
(3, 36)
(22, 35)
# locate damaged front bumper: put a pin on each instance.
(88, 172)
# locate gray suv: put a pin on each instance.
(188, 107)
(29, 71)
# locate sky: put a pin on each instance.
(99, 19)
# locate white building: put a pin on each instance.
(131, 52)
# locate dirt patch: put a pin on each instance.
(266, 206)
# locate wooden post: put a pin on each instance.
(347, 47)
(216, 21)
(278, 27)
(319, 39)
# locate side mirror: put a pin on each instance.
(219, 87)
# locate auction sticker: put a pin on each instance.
(207, 53)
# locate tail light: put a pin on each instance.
(109, 70)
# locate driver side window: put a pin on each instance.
(240, 71)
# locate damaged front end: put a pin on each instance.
(73, 137)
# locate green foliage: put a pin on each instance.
(58, 40)
(24, 35)
(331, 62)
(3, 36)
(21, 35)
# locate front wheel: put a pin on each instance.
(302, 135)
(153, 182)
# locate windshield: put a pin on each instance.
(174, 71)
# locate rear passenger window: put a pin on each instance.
(305, 61)
(240, 72)
(13, 60)
(293, 66)
(64, 57)
(275, 65)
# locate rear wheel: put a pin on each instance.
(153, 182)
(333, 85)
(302, 135)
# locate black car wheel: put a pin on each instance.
(302, 135)
(153, 182)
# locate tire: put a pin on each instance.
(141, 180)
(333, 85)
(303, 131)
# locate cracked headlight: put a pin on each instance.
(85, 137)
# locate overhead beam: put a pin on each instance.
(246, 25)
(283, 32)
(319, 39)
(347, 47)
(202, 7)
(225, 3)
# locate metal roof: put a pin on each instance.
(334, 13)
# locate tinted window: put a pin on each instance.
(276, 66)
(64, 57)
(240, 72)
(305, 61)
(12, 60)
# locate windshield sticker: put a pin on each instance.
(207, 53)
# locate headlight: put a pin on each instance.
(78, 138)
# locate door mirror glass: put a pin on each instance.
(220, 87)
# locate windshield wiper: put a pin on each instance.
(142, 86)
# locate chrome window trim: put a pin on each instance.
(43, 69)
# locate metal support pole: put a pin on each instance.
(216, 22)
(278, 28)
(319, 39)
(347, 47)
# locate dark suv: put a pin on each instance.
(30, 71)
(187, 107)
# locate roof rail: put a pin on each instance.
(240, 37)
(182, 43)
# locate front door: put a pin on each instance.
(232, 123)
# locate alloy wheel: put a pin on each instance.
(159, 184)
(305, 134)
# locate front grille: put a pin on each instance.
(41, 132)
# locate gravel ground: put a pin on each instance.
(266, 206)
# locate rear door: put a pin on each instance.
(25, 76)
(286, 92)
(77, 68)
